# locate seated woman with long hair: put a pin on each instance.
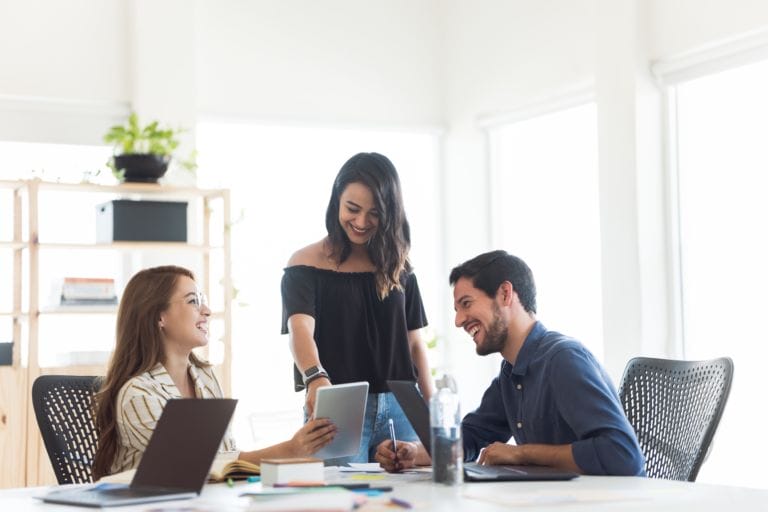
(162, 317)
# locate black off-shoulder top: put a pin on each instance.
(359, 336)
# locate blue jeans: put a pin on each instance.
(378, 409)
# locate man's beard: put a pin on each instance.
(495, 337)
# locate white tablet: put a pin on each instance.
(344, 405)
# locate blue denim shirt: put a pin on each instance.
(556, 393)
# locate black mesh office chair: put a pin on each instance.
(675, 407)
(62, 406)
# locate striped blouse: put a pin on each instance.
(140, 403)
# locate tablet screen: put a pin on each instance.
(344, 405)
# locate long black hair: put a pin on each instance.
(388, 247)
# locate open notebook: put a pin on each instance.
(175, 464)
(226, 465)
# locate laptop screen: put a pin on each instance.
(415, 409)
(183, 444)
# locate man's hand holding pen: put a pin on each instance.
(394, 460)
(393, 438)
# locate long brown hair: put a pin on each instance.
(138, 348)
(389, 246)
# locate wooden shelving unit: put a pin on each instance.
(25, 462)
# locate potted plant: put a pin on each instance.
(142, 153)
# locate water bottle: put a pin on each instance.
(445, 420)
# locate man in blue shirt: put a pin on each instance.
(551, 394)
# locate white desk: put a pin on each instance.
(583, 494)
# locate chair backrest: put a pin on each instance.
(675, 407)
(62, 406)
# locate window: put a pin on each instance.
(68, 163)
(722, 175)
(280, 179)
(546, 207)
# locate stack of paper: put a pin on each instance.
(316, 499)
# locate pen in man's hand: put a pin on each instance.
(394, 439)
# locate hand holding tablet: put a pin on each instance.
(344, 405)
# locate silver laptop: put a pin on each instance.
(417, 412)
(175, 464)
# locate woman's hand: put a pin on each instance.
(312, 436)
(309, 403)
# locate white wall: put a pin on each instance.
(335, 61)
(67, 60)
(503, 55)
(680, 26)
(330, 62)
(75, 50)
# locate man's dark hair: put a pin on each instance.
(490, 269)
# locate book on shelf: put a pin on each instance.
(88, 302)
(6, 353)
(292, 470)
(88, 291)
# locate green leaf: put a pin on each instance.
(135, 138)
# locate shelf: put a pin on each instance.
(80, 310)
(90, 310)
(13, 245)
(13, 314)
(131, 188)
(131, 246)
(12, 185)
(37, 262)
(74, 369)
(115, 246)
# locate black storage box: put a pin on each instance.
(143, 221)
(6, 353)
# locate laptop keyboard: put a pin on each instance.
(477, 469)
(133, 493)
(102, 495)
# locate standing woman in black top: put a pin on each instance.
(352, 305)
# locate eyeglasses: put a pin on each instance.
(197, 299)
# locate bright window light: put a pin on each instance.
(67, 163)
(547, 209)
(723, 180)
(280, 179)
